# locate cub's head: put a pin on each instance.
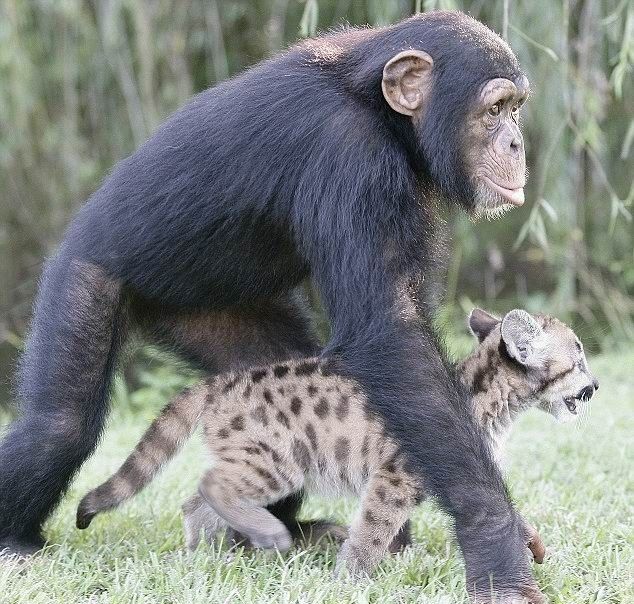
(543, 351)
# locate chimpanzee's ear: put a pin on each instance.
(524, 338)
(407, 81)
(481, 323)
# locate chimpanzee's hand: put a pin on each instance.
(497, 565)
(534, 542)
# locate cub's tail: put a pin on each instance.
(162, 440)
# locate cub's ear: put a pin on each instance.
(524, 338)
(407, 81)
(481, 323)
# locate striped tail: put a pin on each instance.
(162, 440)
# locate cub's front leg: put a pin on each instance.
(389, 499)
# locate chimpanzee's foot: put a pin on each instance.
(20, 548)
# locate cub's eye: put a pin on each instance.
(494, 111)
(579, 347)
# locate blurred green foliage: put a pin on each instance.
(83, 83)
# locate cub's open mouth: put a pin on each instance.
(584, 395)
(514, 196)
(571, 404)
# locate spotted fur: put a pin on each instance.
(273, 431)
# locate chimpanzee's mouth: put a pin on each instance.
(511, 194)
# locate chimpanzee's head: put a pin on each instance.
(462, 87)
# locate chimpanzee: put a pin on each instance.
(324, 162)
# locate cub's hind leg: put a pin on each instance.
(200, 521)
(386, 506)
(241, 502)
(262, 333)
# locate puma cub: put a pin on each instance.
(273, 431)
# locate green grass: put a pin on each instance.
(575, 484)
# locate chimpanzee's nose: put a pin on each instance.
(516, 144)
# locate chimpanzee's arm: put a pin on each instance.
(364, 250)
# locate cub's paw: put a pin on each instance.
(279, 541)
(353, 563)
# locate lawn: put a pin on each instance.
(574, 482)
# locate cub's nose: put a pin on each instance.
(595, 383)
(586, 393)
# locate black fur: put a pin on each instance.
(296, 168)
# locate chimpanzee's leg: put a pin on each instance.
(63, 385)
(235, 338)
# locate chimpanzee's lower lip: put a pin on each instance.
(513, 196)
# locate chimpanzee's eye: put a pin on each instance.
(495, 109)
(515, 113)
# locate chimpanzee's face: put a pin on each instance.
(470, 140)
(495, 148)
